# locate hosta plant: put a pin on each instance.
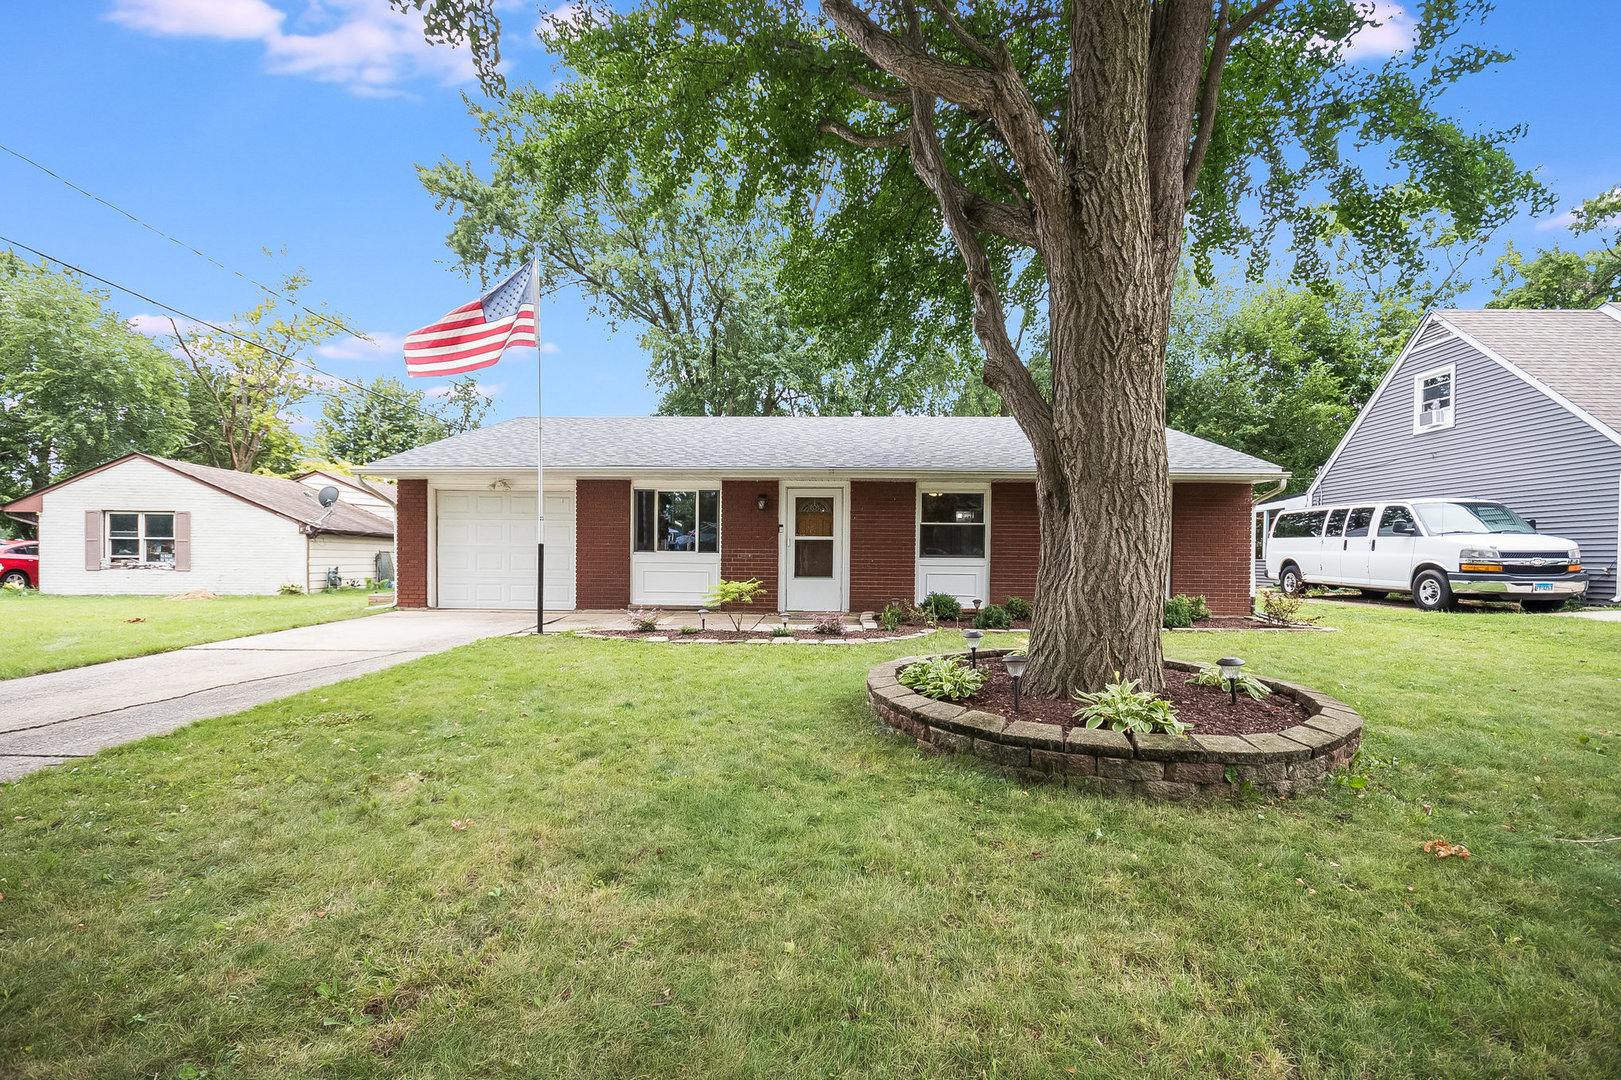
(942, 677)
(1247, 683)
(1120, 706)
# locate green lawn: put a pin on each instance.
(703, 861)
(48, 633)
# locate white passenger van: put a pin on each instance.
(1434, 548)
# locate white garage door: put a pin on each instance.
(486, 549)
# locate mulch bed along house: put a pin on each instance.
(828, 513)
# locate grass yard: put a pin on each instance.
(48, 633)
(577, 858)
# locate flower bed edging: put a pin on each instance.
(1152, 766)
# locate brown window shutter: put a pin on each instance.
(92, 539)
(182, 540)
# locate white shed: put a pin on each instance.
(145, 524)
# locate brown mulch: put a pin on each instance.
(1210, 711)
(764, 631)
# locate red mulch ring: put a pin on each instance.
(728, 634)
(1208, 710)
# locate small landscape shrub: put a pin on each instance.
(1181, 611)
(831, 622)
(942, 606)
(688, 631)
(782, 631)
(733, 592)
(1120, 706)
(1247, 683)
(899, 613)
(291, 589)
(993, 617)
(942, 677)
(1279, 607)
(645, 620)
(1020, 608)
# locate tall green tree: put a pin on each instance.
(1556, 278)
(364, 422)
(942, 160)
(77, 385)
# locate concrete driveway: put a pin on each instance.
(47, 719)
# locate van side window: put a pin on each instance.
(1359, 522)
(1393, 514)
(1300, 524)
(1336, 521)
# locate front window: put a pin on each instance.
(951, 525)
(677, 521)
(1471, 517)
(1397, 521)
(139, 539)
(1432, 400)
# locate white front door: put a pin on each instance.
(814, 555)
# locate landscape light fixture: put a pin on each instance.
(1015, 668)
(761, 500)
(702, 623)
(977, 603)
(973, 637)
(784, 616)
(1230, 666)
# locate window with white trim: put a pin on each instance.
(1432, 399)
(951, 525)
(140, 539)
(677, 521)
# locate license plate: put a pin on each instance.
(1543, 586)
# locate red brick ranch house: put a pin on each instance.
(830, 513)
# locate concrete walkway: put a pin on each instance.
(46, 719)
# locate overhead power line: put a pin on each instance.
(217, 328)
(183, 245)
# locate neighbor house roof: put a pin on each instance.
(874, 444)
(359, 483)
(285, 498)
(1576, 354)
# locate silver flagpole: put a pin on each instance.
(540, 467)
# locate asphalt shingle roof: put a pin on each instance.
(717, 443)
(1575, 353)
(286, 497)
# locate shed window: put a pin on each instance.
(1432, 399)
(951, 525)
(677, 521)
(140, 539)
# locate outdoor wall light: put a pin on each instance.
(761, 501)
(1015, 668)
(972, 637)
(1230, 666)
(702, 624)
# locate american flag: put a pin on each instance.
(475, 335)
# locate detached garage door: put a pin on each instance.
(486, 549)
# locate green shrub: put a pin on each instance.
(1020, 608)
(733, 592)
(290, 589)
(1183, 611)
(899, 613)
(942, 677)
(993, 617)
(1279, 607)
(1120, 706)
(1247, 683)
(782, 631)
(890, 618)
(942, 606)
(831, 622)
(688, 631)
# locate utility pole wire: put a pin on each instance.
(220, 330)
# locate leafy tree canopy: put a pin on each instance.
(1556, 278)
(77, 386)
(369, 421)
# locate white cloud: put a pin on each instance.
(382, 346)
(548, 347)
(149, 325)
(487, 389)
(1396, 31)
(1557, 223)
(363, 45)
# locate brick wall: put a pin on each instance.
(601, 543)
(411, 544)
(748, 537)
(883, 542)
(1015, 541)
(1210, 544)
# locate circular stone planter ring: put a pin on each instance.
(1152, 766)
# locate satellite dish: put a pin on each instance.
(328, 496)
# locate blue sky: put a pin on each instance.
(236, 125)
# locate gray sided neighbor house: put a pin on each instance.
(1523, 407)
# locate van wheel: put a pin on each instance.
(1290, 581)
(1431, 592)
(15, 577)
(1373, 594)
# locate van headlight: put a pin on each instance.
(1575, 555)
(1479, 554)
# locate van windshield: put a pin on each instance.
(1471, 517)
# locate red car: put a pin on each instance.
(19, 563)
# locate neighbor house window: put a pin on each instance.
(677, 521)
(1432, 400)
(135, 539)
(951, 525)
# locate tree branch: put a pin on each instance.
(869, 142)
(958, 31)
(956, 83)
